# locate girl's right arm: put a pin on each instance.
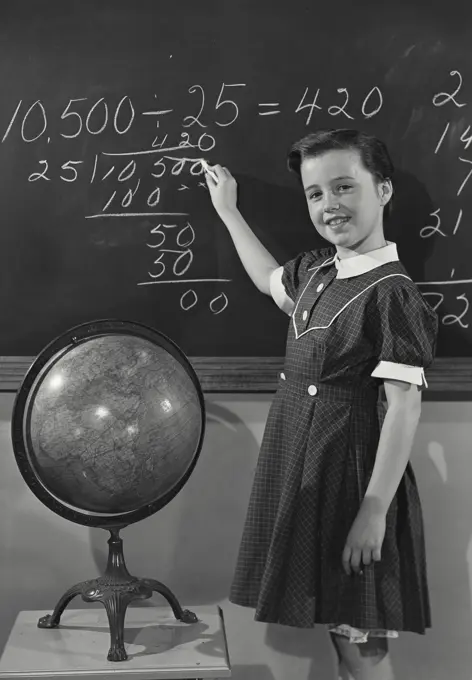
(256, 260)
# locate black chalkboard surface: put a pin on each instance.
(107, 107)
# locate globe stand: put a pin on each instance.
(115, 590)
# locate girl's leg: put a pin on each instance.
(343, 673)
(364, 661)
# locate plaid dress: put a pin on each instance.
(319, 449)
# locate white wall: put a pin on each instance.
(191, 545)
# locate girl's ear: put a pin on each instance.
(386, 191)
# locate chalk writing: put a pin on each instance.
(439, 300)
(143, 182)
(269, 113)
(368, 108)
(442, 98)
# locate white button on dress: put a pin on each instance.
(312, 390)
(320, 287)
(305, 315)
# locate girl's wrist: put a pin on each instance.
(228, 212)
(373, 505)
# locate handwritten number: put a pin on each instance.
(70, 166)
(67, 114)
(117, 113)
(110, 201)
(196, 169)
(374, 90)
(458, 221)
(159, 164)
(429, 229)
(154, 197)
(155, 143)
(162, 266)
(219, 303)
(192, 300)
(87, 122)
(186, 254)
(336, 110)
(12, 121)
(223, 102)
(162, 234)
(179, 165)
(438, 146)
(126, 202)
(466, 138)
(209, 144)
(465, 160)
(185, 143)
(188, 233)
(40, 175)
(311, 106)
(192, 120)
(442, 98)
(127, 172)
(439, 295)
(108, 173)
(449, 319)
(33, 139)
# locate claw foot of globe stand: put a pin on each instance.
(117, 654)
(47, 622)
(188, 616)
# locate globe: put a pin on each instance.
(111, 421)
(107, 427)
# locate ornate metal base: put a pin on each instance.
(115, 590)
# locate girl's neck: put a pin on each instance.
(374, 242)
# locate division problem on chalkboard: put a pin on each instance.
(173, 235)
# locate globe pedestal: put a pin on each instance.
(115, 590)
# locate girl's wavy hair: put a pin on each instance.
(373, 152)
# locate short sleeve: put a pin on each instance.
(286, 281)
(404, 330)
(295, 273)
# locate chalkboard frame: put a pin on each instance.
(448, 375)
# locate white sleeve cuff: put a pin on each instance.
(278, 292)
(389, 370)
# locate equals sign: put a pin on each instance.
(267, 106)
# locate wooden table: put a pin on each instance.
(158, 646)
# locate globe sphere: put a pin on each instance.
(113, 424)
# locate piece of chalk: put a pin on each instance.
(207, 169)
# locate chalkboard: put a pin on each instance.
(108, 107)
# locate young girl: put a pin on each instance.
(334, 531)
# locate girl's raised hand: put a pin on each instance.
(224, 192)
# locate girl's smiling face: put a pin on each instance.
(345, 200)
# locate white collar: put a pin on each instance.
(361, 264)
